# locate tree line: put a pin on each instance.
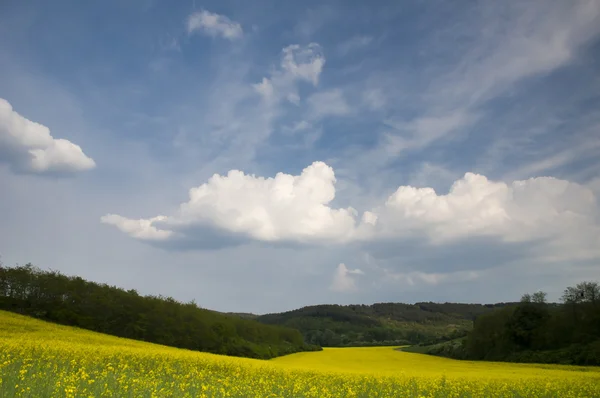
(73, 301)
(534, 330)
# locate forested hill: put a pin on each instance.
(382, 323)
(73, 301)
(535, 331)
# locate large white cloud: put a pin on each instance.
(288, 208)
(283, 208)
(28, 146)
(537, 208)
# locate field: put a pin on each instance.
(38, 359)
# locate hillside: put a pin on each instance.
(74, 301)
(382, 323)
(42, 359)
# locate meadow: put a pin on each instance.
(39, 359)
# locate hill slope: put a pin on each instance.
(382, 323)
(107, 309)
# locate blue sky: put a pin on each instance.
(262, 156)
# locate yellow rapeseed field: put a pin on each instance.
(39, 359)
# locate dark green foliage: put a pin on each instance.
(381, 323)
(74, 301)
(535, 331)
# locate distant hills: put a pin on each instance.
(381, 323)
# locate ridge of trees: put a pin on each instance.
(534, 330)
(73, 301)
(381, 323)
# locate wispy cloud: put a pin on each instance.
(298, 63)
(421, 132)
(328, 103)
(214, 25)
(496, 54)
(550, 163)
(353, 44)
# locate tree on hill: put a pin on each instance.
(536, 331)
(584, 292)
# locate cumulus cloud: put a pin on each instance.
(29, 147)
(214, 25)
(284, 208)
(298, 63)
(297, 209)
(343, 281)
(475, 206)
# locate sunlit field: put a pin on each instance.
(38, 359)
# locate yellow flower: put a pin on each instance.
(47, 359)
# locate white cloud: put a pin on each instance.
(298, 63)
(304, 63)
(343, 280)
(214, 25)
(140, 229)
(538, 208)
(283, 208)
(560, 218)
(328, 103)
(28, 146)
